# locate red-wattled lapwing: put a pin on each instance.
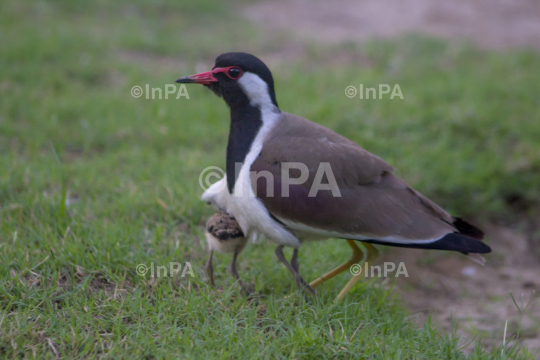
(368, 203)
(223, 234)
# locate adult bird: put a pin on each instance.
(275, 165)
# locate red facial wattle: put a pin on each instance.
(205, 78)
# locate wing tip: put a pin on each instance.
(467, 229)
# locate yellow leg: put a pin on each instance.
(372, 254)
(357, 255)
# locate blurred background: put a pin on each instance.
(98, 181)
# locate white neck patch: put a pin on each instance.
(256, 90)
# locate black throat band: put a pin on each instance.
(246, 121)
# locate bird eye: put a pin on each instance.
(235, 73)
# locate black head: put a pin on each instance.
(239, 78)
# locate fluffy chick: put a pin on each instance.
(224, 235)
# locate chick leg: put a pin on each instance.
(235, 272)
(210, 268)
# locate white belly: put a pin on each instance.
(248, 211)
(225, 246)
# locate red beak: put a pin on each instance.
(202, 78)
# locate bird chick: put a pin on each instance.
(224, 235)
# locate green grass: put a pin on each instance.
(467, 135)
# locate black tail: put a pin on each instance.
(453, 242)
(466, 240)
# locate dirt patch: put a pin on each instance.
(490, 23)
(451, 288)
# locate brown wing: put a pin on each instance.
(373, 203)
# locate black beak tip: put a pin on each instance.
(184, 80)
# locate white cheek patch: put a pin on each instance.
(256, 90)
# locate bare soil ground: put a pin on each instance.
(449, 287)
(490, 23)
